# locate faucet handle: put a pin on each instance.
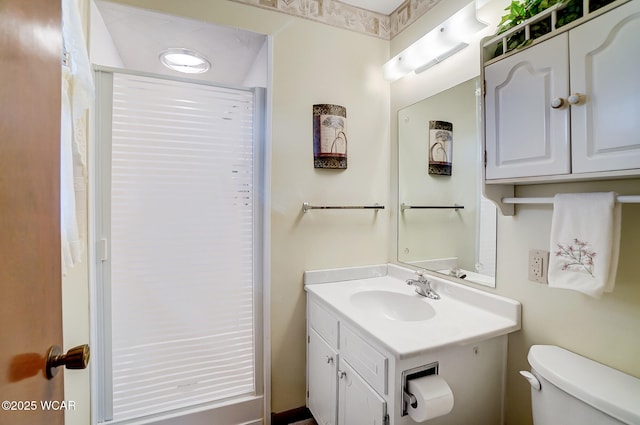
(421, 275)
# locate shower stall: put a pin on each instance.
(178, 238)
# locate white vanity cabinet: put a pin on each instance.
(322, 384)
(367, 341)
(358, 403)
(568, 105)
(342, 373)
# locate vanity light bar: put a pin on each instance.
(635, 199)
(445, 40)
(306, 207)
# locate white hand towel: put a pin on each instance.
(585, 242)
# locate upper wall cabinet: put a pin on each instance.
(604, 57)
(525, 135)
(567, 107)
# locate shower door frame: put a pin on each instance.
(223, 411)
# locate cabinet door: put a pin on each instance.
(366, 360)
(358, 403)
(323, 322)
(322, 383)
(605, 64)
(525, 135)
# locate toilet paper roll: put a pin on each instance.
(434, 397)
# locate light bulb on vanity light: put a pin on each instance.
(444, 41)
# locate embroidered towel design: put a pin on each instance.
(585, 242)
(576, 257)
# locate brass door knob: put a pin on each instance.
(76, 358)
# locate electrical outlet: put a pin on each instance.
(538, 265)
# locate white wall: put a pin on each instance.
(102, 49)
(315, 63)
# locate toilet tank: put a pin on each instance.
(577, 391)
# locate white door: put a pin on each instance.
(322, 387)
(605, 62)
(525, 135)
(358, 403)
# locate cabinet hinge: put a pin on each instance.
(308, 339)
(485, 159)
(386, 419)
(484, 88)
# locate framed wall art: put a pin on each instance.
(329, 136)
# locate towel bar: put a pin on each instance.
(306, 207)
(456, 207)
(620, 199)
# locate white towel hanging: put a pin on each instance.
(585, 242)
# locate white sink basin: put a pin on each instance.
(393, 306)
(377, 301)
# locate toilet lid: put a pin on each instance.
(609, 390)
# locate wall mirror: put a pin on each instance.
(444, 223)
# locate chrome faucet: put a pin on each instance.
(423, 286)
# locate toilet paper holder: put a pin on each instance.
(409, 399)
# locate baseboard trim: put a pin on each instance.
(290, 416)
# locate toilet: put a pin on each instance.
(569, 389)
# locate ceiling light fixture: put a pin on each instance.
(184, 60)
(444, 41)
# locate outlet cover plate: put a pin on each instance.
(538, 265)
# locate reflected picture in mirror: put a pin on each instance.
(444, 223)
(440, 147)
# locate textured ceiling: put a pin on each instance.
(140, 35)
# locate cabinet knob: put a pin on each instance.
(576, 99)
(557, 103)
(329, 359)
(342, 374)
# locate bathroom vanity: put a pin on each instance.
(370, 335)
